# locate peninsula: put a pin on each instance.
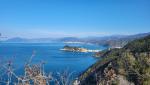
(77, 49)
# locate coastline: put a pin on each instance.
(94, 51)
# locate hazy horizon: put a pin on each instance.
(50, 37)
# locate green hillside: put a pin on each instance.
(128, 65)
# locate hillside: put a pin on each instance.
(128, 65)
(115, 40)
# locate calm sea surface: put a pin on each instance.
(55, 60)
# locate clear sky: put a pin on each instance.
(81, 18)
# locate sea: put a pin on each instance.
(54, 59)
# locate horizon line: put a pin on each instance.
(5, 37)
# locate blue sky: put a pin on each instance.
(81, 18)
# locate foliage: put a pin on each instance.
(132, 61)
(34, 74)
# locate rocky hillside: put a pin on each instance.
(129, 65)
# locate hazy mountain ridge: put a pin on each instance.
(25, 40)
(113, 41)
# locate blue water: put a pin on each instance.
(56, 60)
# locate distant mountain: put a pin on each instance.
(43, 40)
(113, 41)
(24, 40)
(17, 39)
(70, 39)
(109, 40)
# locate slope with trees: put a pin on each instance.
(128, 65)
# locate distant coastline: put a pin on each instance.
(71, 42)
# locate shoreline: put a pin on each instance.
(81, 51)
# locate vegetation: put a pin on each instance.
(128, 65)
(74, 49)
(34, 74)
